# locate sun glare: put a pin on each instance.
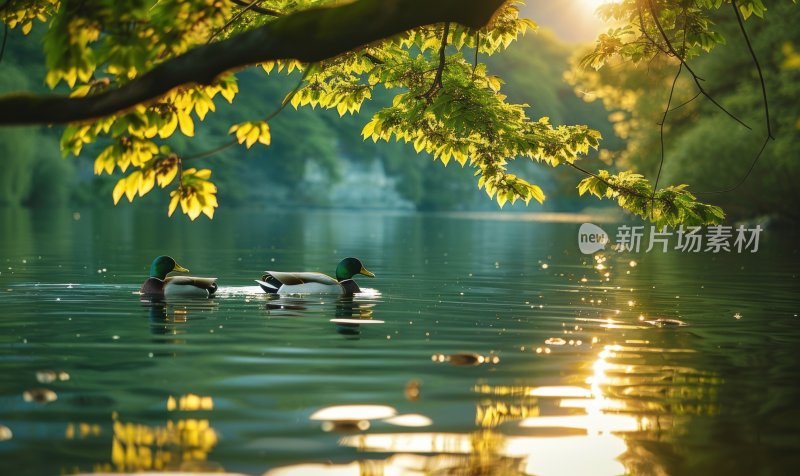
(593, 4)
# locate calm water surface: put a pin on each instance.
(484, 346)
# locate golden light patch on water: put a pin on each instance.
(565, 391)
(410, 442)
(411, 420)
(5, 433)
(39, 395)
(594, 423)
(82, 430)
(190, 402)
(178, 444)
(354, 413)
(48, 376)
(492, 414)
(356, 321)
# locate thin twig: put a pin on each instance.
(257, 9)
(646, 34)
(268, 118)
(477, 47)
(213, 151)
(372, 58)
(618, 188)
(233, 19)
(661, 131)
(664, 120)
(749, 171)
(5, 37)
(758, 66)
(437, 80)
(685, 102)
(766, 106)
(696, 78)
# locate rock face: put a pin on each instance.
(360, 186)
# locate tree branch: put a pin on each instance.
(307, 36)
(664, 118)
(766, 106)
(252, 6)
(233, 19)
(437, 80)
(758, 66)
(696, 78)
(617, 188)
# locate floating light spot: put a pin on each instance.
(47, 376)
(665, 322)
(190, 402)
(354, 413)
(413, 390)
(466, 359)
(39, 395)
(583, 280)
(545, 265)
(357, 321)
(632, 263)
(737, 316)
(555, 341)
(5, 433)
(412, 420)
(361, 425)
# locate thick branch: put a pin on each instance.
(307, 36)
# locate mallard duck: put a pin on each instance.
(159, 285)
(275, 282)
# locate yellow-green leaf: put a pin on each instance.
(186, 124)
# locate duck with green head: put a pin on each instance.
(276, 282)
(161, 285)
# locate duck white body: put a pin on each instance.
(159, 285)
(188, 286)
(278, 282)
(275, 282)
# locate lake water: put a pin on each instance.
(487, 344)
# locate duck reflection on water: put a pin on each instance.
(168, 315)
(351, 314)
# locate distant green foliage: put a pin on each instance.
(32, 171)
(444, 102)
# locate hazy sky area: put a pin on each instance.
(571, 20)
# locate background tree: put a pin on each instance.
(718, 139)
